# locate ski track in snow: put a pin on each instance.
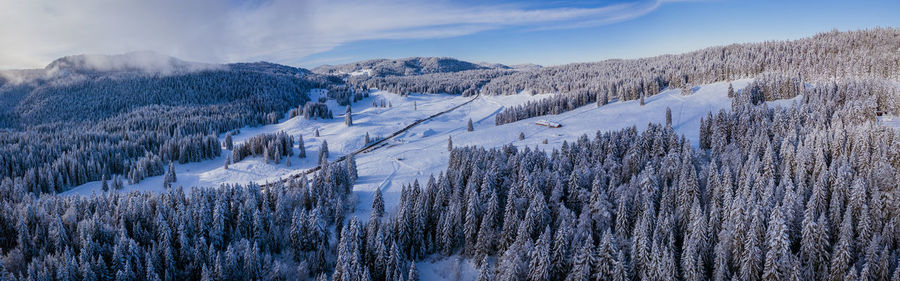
(422, 150)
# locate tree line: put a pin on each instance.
(804, 192)
(229, 233)
(67, 133)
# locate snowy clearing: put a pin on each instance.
(417, 157)
(449, 268)
(422, 151)
(890, 121)
(399, 111)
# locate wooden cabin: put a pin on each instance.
(548, 123)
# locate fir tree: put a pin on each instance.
(605, 266)
(583, 262)
(348, 117)
(687, 90)
(119, 184)
(277, 154)
(471, 224)
(229, 144)
(301, 147)
(323, 152)
(668, 117)
(751, 259)
(539, 269)
(413, 273)
(206, 274)
(103, 184)
(602, 99)
(511, 266)
(841, 256)
(170, 176)
(560, 255)
(351, 167)
(692, 258)
(378, 204)
(778, 262)
(485, 272)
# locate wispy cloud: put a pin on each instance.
(34, 32)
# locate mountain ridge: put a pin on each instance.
(402, 67)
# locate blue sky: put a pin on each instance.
(309, 33)
(671, 28)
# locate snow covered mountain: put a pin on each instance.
(93, 87)
(403, 67)
(761, 161)
(141, 62)
(84, 118)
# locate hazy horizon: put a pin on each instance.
(313, 33)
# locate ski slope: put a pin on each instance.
(422, 151)
(399, 111)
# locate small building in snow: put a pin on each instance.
(548, 123)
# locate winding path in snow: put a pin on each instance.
(372, 146)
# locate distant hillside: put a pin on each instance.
(94, 87)
(874, 52)
(89, 117)
(132, 63)
(526, 66)
(402, 67)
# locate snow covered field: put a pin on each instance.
(398, 112)
(422, 151)
(449, 268)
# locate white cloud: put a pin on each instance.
(34, 32)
